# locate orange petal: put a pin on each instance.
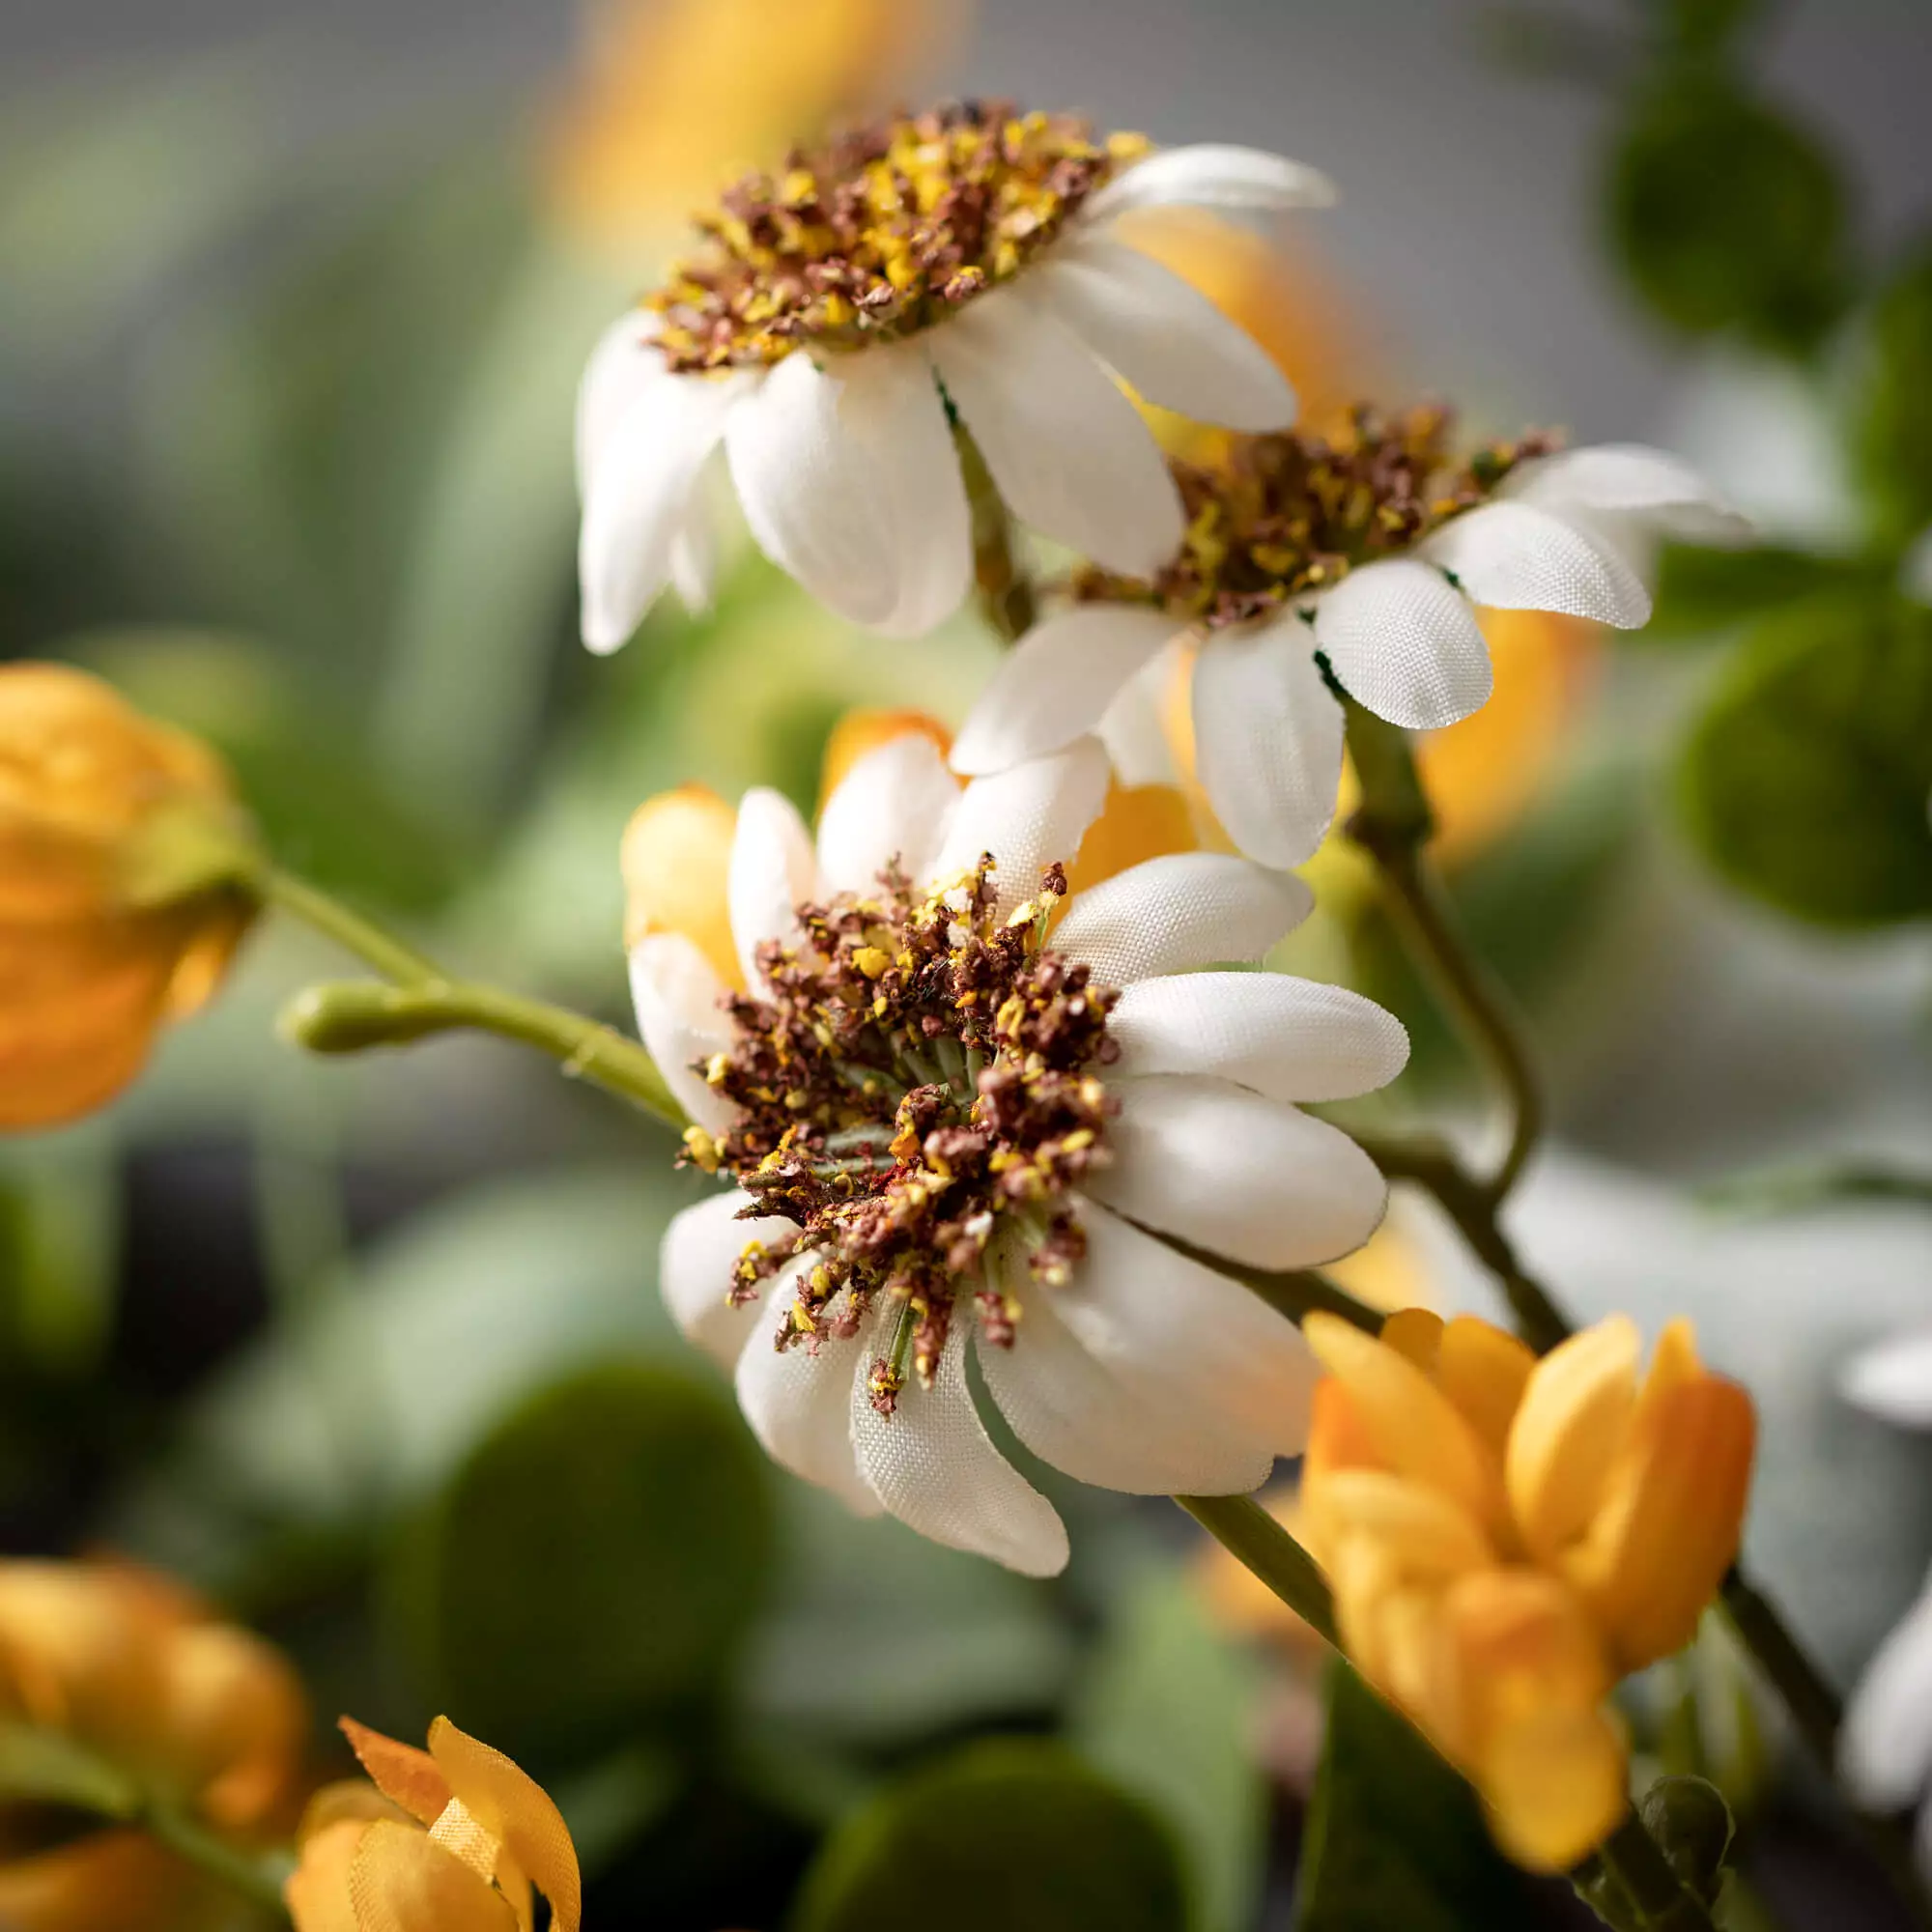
(1555, 1784)
(676, 862)
(1574, 1412)
(860, 733)
(1136, 823)
(237, 1723)
(1671, 1519)
(516, 1811)
(400, 1771)
(1338, 1439)
(1428, 1535)
(105, 1882)
(1483, 1370)
(348, 1798)
(1416, 1335)
(317, 1891)
(400, 1882)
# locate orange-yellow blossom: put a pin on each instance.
(195, 1715)
(451, 1839)
(1508, 1536)
(118, 906)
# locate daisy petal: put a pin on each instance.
(1237, 1175)
(1163, 337)
(1268, 737)
(1027, 819)
(1058, 684)
(1519, 556)
(1069, 453)
(700, 1248)
(624, 364)
(1291, 1039)
(676, 990)
(693, 557)
(895, 803)
(773, 867)
(933, 1466)
(799, 1404)
(1627, 478)
(1173, 914)
(1885, 1750)
(1119, 1428)
(1406, 644)
(1211, 175)
(915, 468)
(1892, 1381)
(1148, 1312)
(638, 497)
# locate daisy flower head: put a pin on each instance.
(966, 1108)
(1355, 563)
(843, 313)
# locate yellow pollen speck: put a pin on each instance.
(871, 961)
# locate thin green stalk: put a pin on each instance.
(1628, 1882)
(1006, 591)
(256, 1875)
(367, 941)
(1259, 1543)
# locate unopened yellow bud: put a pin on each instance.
(676, 862)
(860, 733)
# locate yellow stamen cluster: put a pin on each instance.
(1508, 1536)
(884, 231)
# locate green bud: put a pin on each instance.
(351, 1015)
(1692, 1824)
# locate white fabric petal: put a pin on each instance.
(1213, 175)
(1892, 1381)
(1149, 1313)
(1058, 683)
(799, 1404)
(1291, 1039)
(849, 482)
(1135, 726)
(1179, 911)
(1884, 1752)
(1027, 819)
(1070, 454)
(1660, 489)
(639, 494)
(1162, 335)
(1404, 642)
(1520, 556)
(773, 867)
(623, 365)
(1120, 1425)
(694, 555)
(1237, 1175)
(701, 1249)
(676, 990)
(933, 1466)
(895, 803)
(1268, 739)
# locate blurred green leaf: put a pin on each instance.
(1394, 1836)
(1727, 217)
(1168, 1709)
(1807, 778)
(1701, 592)
(59, 1244)
(1700, 29)
(594, 1563)
(1016, 1834)
(1891, 407)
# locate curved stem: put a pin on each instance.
(255, 1876)
(356, 934)
(1006, 599)
(1629, 1884)
(1244, 1528)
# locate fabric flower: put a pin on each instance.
(119, 909)
(1361, 559)
(451, 1839)
(1507, 1537)
(191, 1713)
(845, 312)
(962, 1105)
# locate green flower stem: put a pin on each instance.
(424, 999)
(1259, 1543)
(1006, 599)
(255, 1875)
(1628, 1882)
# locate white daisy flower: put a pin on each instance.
(842, 312)
(961, 1106)
(1362, 561)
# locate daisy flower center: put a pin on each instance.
(883, 231)
(1283, 515)
(915, 1072)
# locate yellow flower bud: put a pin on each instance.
(860, 733)
(123, 888)
(451, 1839)
(1136, 823)
(1507, 1537)
(676, 862)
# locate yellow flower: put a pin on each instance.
(673, 97)
(198, 1714)
(120, 903)
(1507, 1537)
(451, 1839)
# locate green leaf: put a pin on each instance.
(1891, 407)
(1807, 780)
(1168, 1711)
(1394, 1836)
(594, 1565)
(1700, 591)
(1700, 29)
(1016, 1834)
(1728, 218)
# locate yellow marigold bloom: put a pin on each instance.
(195, 1714)
(1508, 1536)
(120, 841)
(451, 1839)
